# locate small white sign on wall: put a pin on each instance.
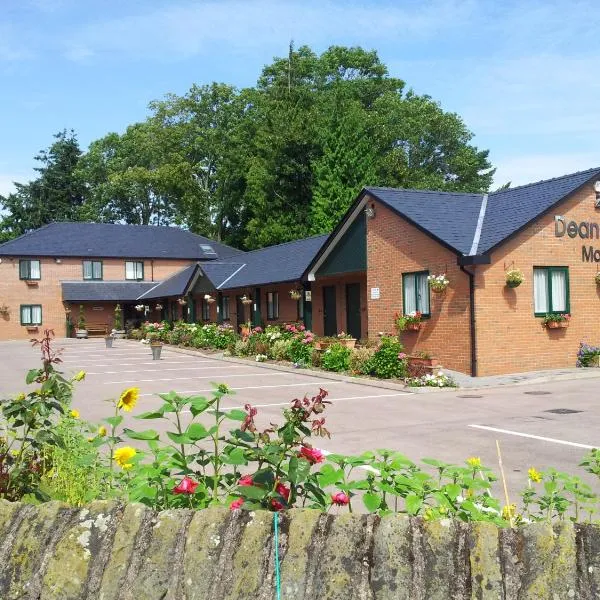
(374, 293)
(308, 295)
(97, 307)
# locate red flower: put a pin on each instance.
(340, 498)
(283, 491)
(312, 455)
(236, 504)
(276, 505)
(246, 480)
(185, 486)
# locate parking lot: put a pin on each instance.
(551, 424)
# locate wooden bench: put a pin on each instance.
(97, 329)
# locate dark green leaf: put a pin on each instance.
(372, 501)
(148, 434)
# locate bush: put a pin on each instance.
(280, 350)
(300, 351)
(385, 363)
(136, 334)
(336, 358)
(241, 348)
(360, 360)
(588, 356)
(316, 358)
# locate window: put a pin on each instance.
(225, 308)
(92, 269)
(273, 305)
(550, 290)
(29, 269)
(205, 311)
(415, 293)
(134, 270)
(31, 314)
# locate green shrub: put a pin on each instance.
(336, 358)
(385, 363)
(280, 350)
(241, 348)
(300, 352)
(316, 358)
(136, 334)
(360, 360)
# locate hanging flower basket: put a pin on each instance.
(410, 322)
(514, 278)
(182, 301)
(246, 300)
(295, 294)
(208, 298)
(139, 307)
(597, 278)
(438, 283)
(158, 307)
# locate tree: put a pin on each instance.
(56, 195)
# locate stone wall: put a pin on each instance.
(110, 552)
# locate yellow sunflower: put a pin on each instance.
(474, 462)
(123, 456)
(534, 475)
(74, 414)
(128, 399)
(102, 431)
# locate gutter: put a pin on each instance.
(472, 322)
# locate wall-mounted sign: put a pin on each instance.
(97, 307)
(308, 296)
(374, 293)
(586, 230)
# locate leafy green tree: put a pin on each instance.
(56, 195)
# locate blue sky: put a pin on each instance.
(523, 75)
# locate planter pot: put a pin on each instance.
(119, 334)
(109, 342)
(513, 284)
(322, 345)
(348, 343)
(81, 334)
(32, 329)
(244, 331)
(425, 362)
(413, 326)
(438, 290)
(557, 324)
(31, 282)
(156, 350)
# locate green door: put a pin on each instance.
(329, 311)
(353, 310)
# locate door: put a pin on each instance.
(240, 311)
(329, 311)
(353, 310)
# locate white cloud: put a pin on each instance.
(186, 29)
(521, 169)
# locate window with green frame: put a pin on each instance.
(225, 308)
(134, 270)
(550, 290)
(205, 310)
(31, 314)
(415, 293)
(92, 269)
(30, 269)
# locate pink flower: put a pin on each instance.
(312, 455)
(245, 481)
(401, 356)
(283, 491)
(302, 328)
(236, 504)
(258, 329)
(276, 505)
(185, 486)
(340, 498)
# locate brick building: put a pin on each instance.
(373, 265)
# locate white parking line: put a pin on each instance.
(533, 437)
(254, 387)
(201, 377)
(79, 365)
(334, 400)
(162, 369)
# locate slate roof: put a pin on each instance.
(449, 217)
(176, 285)
(115, 241)
(107, 291)
(275, 264)
(452, 218)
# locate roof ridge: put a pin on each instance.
(400, 189)
(525, 185)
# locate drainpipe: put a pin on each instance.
(472, 328)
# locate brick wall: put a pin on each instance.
(509, 337)
(395, 247)
(48, 293)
